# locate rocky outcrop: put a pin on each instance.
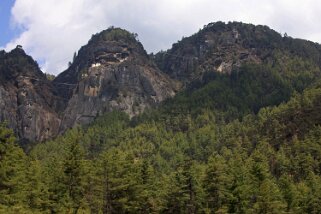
(27, 99)
(112, 72)
(220, 47)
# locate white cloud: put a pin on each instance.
(55, 29)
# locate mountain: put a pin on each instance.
(112, 72)
(224, 48)
(265, 163)
(239, 68)
(241, 134)
(27, 99)
(233, 68)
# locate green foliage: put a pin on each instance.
(50, 77)
(118, 34)
(13, 171)
(244, 143)
(232, 96)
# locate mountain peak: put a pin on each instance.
(18, 63)
(115, 34)
(112, 72)
(27, 99)
(18, 49)
(111, 46)
(221, 47)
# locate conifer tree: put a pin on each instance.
(13, 166)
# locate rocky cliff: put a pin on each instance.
(112, 72)
(27, 100)
(220, 47)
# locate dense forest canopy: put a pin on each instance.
(246, 141)
(173, 162)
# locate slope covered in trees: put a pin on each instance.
(114, 72)
(267, 162)
(242, 141)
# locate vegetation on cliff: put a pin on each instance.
(243, 141)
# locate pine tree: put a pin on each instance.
(36, 190)
(150, 190)
(215, 183)
(118, 179)
(267, 197)
(13, 166)
(183, 193)
(73, 175)
(63, 174)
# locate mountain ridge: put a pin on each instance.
(242, 134)
(114, 72)
(223, 47)
(28, 99)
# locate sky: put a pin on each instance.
(51, 31)
(7, 31)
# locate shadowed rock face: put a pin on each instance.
(221, 47)
(27, 99)
(112, 72)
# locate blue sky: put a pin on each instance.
(7, 31)
(52, 30)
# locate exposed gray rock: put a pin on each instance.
(27, 99)
(113, 72)
(218, 47)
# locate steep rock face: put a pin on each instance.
(27, 99)
(112, 72)
(221, 47)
